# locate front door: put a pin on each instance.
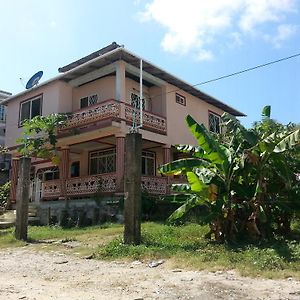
(36, 188)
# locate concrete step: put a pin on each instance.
(8, 219)
(6, 224)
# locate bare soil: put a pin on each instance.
(29, 274)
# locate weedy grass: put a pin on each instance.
(183, 246)
(186, 247)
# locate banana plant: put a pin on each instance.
(210, 173)
(242, 177)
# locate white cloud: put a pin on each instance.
(283, 32)
(192, 26)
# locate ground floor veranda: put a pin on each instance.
(94, 167)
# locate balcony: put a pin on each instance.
(104, 183)
(112, 110)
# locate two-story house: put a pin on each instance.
(4, 158)
(101, 91)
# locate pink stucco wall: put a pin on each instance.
(176, 113)
(60, 97)
(104, 88)
(56, 99)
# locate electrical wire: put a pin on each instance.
(233, 74)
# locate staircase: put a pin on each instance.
(8, 219)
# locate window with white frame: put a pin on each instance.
(2, 113)
(30, 109)
(148, 163)
(88, 101)
(102, 161)
(180, 99)
(214, 121)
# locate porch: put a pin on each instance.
(96, 167)
(89, 186)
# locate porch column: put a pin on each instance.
(166, 159)
(14, 179)
(120, 81)
(120, 153)
(120, 88)
(64, 170)
(167, 154)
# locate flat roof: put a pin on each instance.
(115, 52)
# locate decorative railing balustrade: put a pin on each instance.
(104, 183)
(95, 113)
(154, 185)
(112, 109)
(150, 120)
(91, 184)
(51, 189)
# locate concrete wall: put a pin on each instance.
(59, 97)
(56, 99)
(104, 88)
(176, 114)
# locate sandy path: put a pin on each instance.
(28, 274)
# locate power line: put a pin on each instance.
(234, 74)
(249, 69)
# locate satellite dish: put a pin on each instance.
(34, 80)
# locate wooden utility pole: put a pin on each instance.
(133, 172)
(22, 199)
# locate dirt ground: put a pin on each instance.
(29, 274)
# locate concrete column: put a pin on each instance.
(64, 169)
(167, 154)
(23, 190)
(14, 179)
(120, 93)
(132, 205)
(164, 101)
(166, 159)
(120, 153)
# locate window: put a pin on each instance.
(51, 174)
(135, 101)
(214, 122)
(148, 163)
(103, 161)
(2, 113)
(30, 109)
(180, 99)
(88, 101)
(75, 169)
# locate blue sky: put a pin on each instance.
(196, 40)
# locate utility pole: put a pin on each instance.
(133, 172)
(22, 199)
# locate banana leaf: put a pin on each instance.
(213, 151)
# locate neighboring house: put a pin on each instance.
(4, 158)
(100, 91)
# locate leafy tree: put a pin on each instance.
(39, 136)
(233, 175)
(38, 140)
(4, 195)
